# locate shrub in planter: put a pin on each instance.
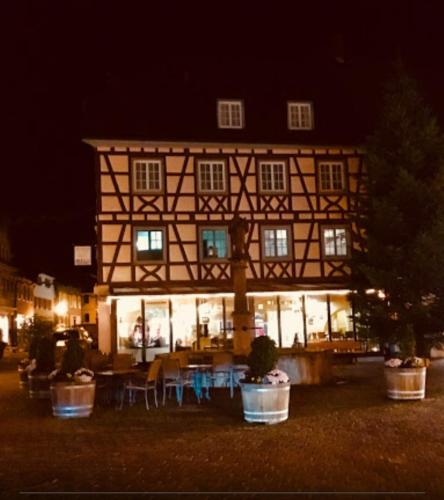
(29, 336)
(405, 373)
(72, 386)
(265, 390)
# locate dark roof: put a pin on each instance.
(180, 105)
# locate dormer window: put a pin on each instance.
(300, 115)
(230, 114)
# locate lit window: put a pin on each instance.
(149, 244)
(276, 243)
(272, 176)
(335, 242)
(211, 176)
(331, 176)
(147, 176)
(230, 114)
(214, 243)
(300, 116)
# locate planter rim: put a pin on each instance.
(405, 368)
(73, 383)
(270, 386)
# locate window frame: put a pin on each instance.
(277, 227)
(335, 227)
(330, 162)
(211, 161)
(230, 103)
(299, 105)
(162, 229)
(213, 227)
(271, 161)
(147, 160)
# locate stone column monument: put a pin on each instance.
(243, 319)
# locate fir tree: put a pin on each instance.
(403, 222)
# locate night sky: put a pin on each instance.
(62, 56)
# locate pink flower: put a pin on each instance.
(277, 377)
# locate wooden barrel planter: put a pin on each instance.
(71, 400)
(405, 383)
(38, 384)
(23, 377)
(265, 403)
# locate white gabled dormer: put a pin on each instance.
(300, 115)
(230, 113)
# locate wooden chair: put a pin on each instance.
(149, 384)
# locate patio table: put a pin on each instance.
(201, 379)
(114, 381)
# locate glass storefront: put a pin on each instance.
(199, 322)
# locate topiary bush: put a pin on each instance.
(262, 358)
(73, 357)
(45, 355)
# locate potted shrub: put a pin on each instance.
(72, 386)
(40, 368)
(29, 336)
(265, 390)
(405, 373)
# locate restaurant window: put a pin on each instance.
(331, 176)
(266, 317)
(157, 331)
(292, 320)
(147, 176)
(335, 242)
(211, 320)
(149, 244)
(272, 177)
(276, 243)
(214, 243)
(211, 176)
(230, 114)
(341, 317)
(184, 321)
(316, 311)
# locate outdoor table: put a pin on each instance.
(201, 379)
(114, 381)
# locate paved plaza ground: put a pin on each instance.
(345, 437)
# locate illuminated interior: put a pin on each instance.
(183, 321)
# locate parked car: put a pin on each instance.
(62, 336)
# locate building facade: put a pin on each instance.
(163, 216)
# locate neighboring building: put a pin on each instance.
(164, 209)
(44, 297)
(24, 300)
(89, 308)
(68, 306)
(8, 277)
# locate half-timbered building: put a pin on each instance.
(163, 212)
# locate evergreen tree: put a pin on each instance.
(403, 223)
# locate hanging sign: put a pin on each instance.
(82, 255)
